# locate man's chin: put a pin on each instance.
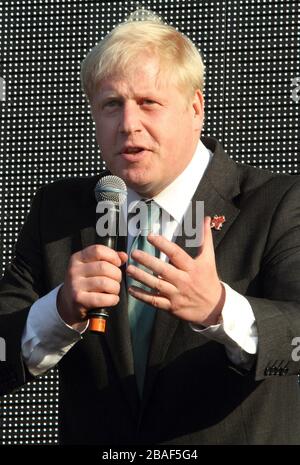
(138, 182)
(140, 188)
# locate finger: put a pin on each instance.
(154, 282)
(100, 268)
(100, 284)
(167, 271)
(177, 256)
(149, 298)
(207, 247)
(90, 300)
(99, 252)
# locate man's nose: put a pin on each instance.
(130, 118)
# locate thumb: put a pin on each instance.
(123, 257)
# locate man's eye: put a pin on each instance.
(111, 103)
(148, 102)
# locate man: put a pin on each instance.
(220, 367)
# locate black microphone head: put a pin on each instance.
(111, 188)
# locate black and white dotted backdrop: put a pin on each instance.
(251, 49)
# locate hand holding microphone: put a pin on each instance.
(93, 277)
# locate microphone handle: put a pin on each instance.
(98, 316)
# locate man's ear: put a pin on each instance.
(198, 109)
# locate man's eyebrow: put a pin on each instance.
(108, 96)
(112, 96)
(147, 94)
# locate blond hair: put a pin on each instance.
(144, 34)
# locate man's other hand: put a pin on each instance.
(187, 287)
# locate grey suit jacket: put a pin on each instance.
(193, 394)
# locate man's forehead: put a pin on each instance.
(130, 85)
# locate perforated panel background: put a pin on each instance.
(251, 51)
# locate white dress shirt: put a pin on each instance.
(47, 338)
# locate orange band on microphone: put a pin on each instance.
(97, 324)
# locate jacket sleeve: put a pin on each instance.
(277, 313)
(21, 285)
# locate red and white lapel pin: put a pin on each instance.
(217, 222)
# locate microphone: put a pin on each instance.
(110, 193)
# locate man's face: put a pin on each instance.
(146, 129)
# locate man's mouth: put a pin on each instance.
(132, 150)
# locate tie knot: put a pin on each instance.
(149, 215)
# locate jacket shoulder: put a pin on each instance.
(71, 185)
(74, 189)
(253, 179)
